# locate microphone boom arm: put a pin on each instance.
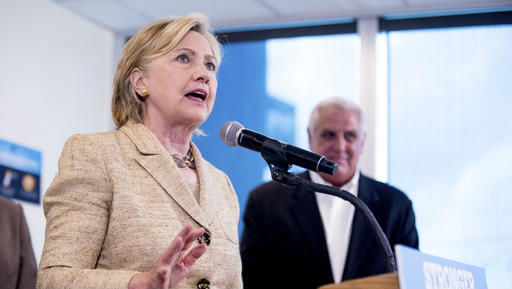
(275, 157)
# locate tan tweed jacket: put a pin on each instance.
(119, 200)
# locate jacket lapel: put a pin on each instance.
(208, 201)
(153, 157)
(362, 234)
(305, 210)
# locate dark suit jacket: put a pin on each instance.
(284, 239)
(18, 267)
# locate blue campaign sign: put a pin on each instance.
(417, 270)
(20, 172)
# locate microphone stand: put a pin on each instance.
(273, 153)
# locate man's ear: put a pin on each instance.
(363, 140)
(310, 137)
(137, 81)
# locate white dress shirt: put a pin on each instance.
(337, 215)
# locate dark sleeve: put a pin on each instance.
(409, 234)
(28, 268)
(253, 247)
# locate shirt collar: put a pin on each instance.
(350, 186)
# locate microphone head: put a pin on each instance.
(229, 133)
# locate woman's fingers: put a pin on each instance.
(174, 253)
(185, 231)
(173, 265)
(182, 269)
(192, 236)
(163, 277)
(194, 254)
(170, 254)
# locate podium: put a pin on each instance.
(417, 270)
(382, 281)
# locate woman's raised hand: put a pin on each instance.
(172, 265)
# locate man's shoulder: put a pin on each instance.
(5, 203)
(9, 211)
(269, 187)
(384, 190)
(377, 184)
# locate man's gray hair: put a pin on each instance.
(338, 103)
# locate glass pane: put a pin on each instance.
(450, 141)
(304, 71)
(270, 87)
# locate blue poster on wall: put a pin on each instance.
(20, 172)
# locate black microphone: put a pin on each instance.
(233, 133)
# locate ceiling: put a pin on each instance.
(127, 16)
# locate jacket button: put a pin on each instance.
(204, 238)
(203, 284)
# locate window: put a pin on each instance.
(443, 134)
(271, 86)
(450, 140)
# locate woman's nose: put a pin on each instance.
(200, 73)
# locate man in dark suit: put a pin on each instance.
(295, 238)
(18, 268)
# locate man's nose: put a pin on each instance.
(340, 143)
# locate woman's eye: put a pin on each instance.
(211, 66)
(182, 58)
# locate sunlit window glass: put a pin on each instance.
(271, 87)
(450, 141)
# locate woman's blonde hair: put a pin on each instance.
(150, 42)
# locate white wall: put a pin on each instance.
(55, 80)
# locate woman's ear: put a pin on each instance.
(137, 81)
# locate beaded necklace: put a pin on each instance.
(186, 161)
